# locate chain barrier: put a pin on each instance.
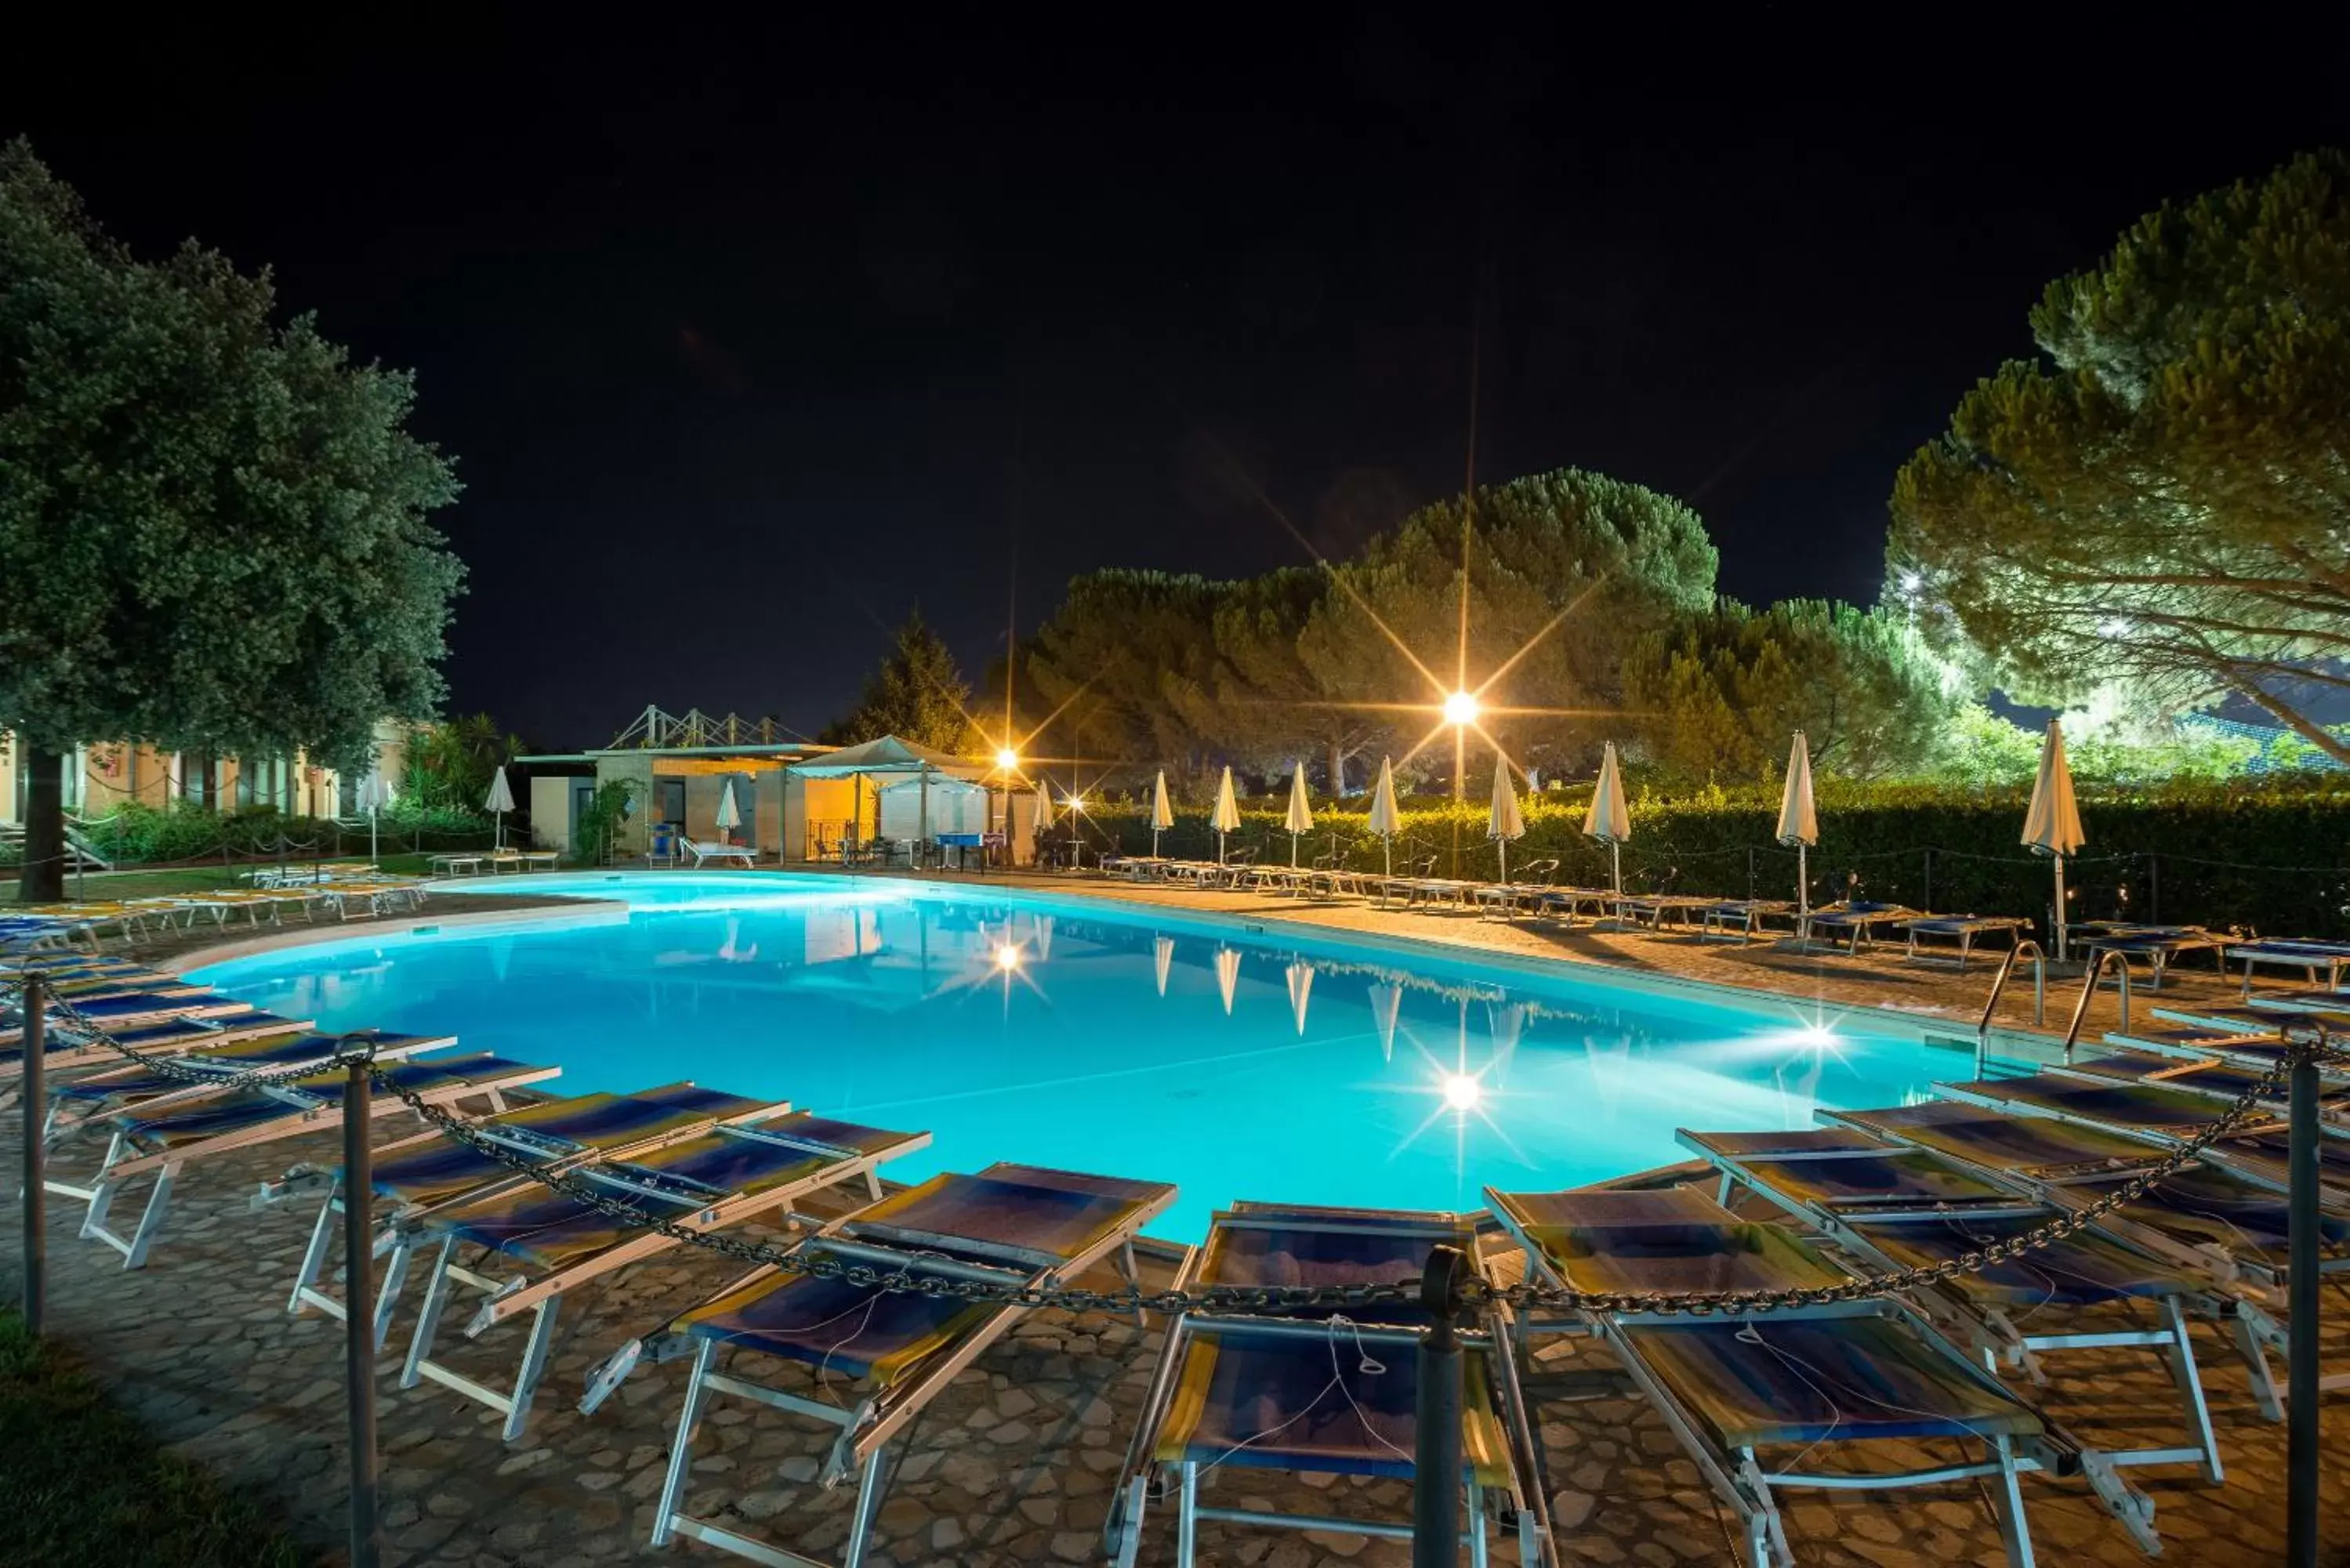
(798, 1258)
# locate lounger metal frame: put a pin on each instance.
(509, 1297)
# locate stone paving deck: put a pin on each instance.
(1014, 1463)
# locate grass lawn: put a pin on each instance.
(181, 881)
(82, 1482)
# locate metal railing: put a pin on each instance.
(1999, 984)
(2089, 991)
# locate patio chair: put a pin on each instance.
(413, 1176)
(1313, 1391)
(1895, 1209)
(162, 1144)
(1013, 1226)
(549, 1244)
(1817, 1380)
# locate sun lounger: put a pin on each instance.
(1815, 1380)
(1656, 908)
(2322, 963)
(1305, 1391)
(1564, 903)
(1896, 1209)
(546, 1243)
(214, 1062)
(1741, 919)
(71, 1051)
(413, 1176)
(164, 1143)
(1010, 1225)
(2224, 1082)
(1960, 928)
(2160, 948)
(1855, 918)
(85, 1016)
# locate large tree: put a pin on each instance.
(1122, 665)
(1266, 706)
(917, 695)
(1564, 572)
(1719, 693)
(213, 532)
(2165, 500)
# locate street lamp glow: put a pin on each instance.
(1461, 1092)
(1007, 759)
(1460, 709)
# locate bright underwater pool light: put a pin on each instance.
(1007, 957)
(1461, 708)
(1462, 1092)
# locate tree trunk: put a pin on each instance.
(1337, 771)
(43, 879)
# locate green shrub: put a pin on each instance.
(2265, 855)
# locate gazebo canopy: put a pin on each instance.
(886, 755)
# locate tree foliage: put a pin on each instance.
(1719, 694)
(450, 763)
(213, 530)
(917, 695)
(2166, 499)
(1124, 666)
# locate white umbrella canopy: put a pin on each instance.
(1387, 1004)
(2053, 825)
(1386, 820)
(501, 801)
(1162, 960)
(730, 814)
(1301, 812)
(1162, 816)
(1610, 820)
(1043, 805)
(1227, 816)
(1799, 824)
(1506, 821)
(1227, 975)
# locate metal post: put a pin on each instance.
(2302, 1298)
(1436, 1460)
(2153, 889)
(1928, 901)
(358, 1322)
(35, 1048)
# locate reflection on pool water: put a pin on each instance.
(1241, 1063)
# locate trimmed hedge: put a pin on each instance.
(2270, 855)
(134, 835)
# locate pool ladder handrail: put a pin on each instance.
(2089, 989)
(1999, 985)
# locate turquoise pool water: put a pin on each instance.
(1241, 1063)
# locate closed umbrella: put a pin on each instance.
(1610, 820)
(1162, 956)
(730, 816)
(1043, 805)
(1300, 975)
(1227, 817)
(1386, 820)
(501, 802)
(1506, 821)
(1301, 812)
(1162, 816)
(1387, 1003)
(2053, 825)
(1228, 974)
(1799, 824)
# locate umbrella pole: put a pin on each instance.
(1615, 867)
(1504, 844)
(2061, 921)
(1802, 878)
(1220, 846)
(1154, 844)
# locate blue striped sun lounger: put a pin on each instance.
(215, 1058)
(1855, 919)
(84, 1016)
(1309, 1392)
(1961, 929)
(1010, 1225)
(68, 1053)
(163, 1143)
(2322, 964)
(1894, 1209)
(414, 1176)
(2158, 949)
(544, 1243)
(1757, 1400)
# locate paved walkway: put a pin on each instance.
(1013, 1464)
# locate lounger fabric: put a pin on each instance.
(1262, 1403)
(1803, 1380)
(446, 1167)
(1670, 1241)
(248, 1108)
(2082, 1270)
(1896, 1176)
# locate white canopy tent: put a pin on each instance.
(894, 765)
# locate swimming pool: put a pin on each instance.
(1243, 1062)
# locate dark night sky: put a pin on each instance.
(748, 340)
